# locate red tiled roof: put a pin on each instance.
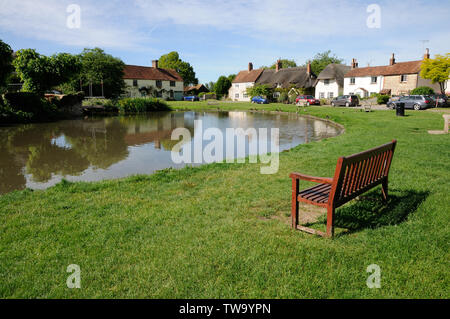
(136, 72)
(248, 76)
(410, 67)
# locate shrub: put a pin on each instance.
(382, 99)
(292, 99)
(141, 105)
(422, 90)
(283, 98)
(324, 102)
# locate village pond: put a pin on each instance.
(38, 156)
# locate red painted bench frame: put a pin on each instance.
(354, 175)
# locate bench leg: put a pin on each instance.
(384, 189)
(294, 211)
(330, 221)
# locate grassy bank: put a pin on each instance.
(222, 230)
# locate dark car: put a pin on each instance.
(416, 102)
(307, 100)
(441, 99)
(259, 100)
(191, 98)
(345, 100)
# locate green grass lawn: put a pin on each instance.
(222, 230)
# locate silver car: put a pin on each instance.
(416, 102)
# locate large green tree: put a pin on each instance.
(321, 60)
(172, 61)
(98, 66)
(285, 63)
(222, 85)
(40, 73)
(6, 67)
(437, 70)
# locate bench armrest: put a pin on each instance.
(316, 179)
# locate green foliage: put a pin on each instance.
(285, 63)
(437, 70)
(210, 86)
(422, 90)
(41, 73)
(260, 90)
(98, 66)
(292, 99)
(29, 106)
(231, 77)
(6, 67)
(382, 99)
(321, 60)
(172, 61)
(222, 86)
(141, 105)
(283, 98)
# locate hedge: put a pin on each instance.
(141, 105)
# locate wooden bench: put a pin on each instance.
(353, 176)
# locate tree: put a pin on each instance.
(172, 61)
(285, 63)
(321, 60)
(97, 66)
(210, 86)
(231, 77)
(6, 67)
(260, 90)
(422, 90)
(222, 86)
(40, 73)
(437, 70)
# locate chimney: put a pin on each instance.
(354, 64)
(392, 60)
(308, 68)
(279, 65)
(155, 64)
(250, 66)
(427, 54)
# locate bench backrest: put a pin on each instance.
(357, 173)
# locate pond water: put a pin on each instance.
(38, 156)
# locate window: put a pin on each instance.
(352, 80)
(403, 78)
(326, 81)
(373, 80)
(158, 94)
(172, 83)
(236, 85)
(351, 93)
(276, 94)
(245, 95)
(135, 83)
(236, 95)
(330, 95)
(321, 95)
(158, 83)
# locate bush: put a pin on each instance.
(382, 99)
(292, 99)
(422, 90)
(324, 102)
(141, 105)
(283, 98)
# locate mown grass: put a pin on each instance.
(221, 230)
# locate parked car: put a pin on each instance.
(259, 100)
(307, 100)
(442, 99)
(416, 102)
(191, 98)
(345, 100)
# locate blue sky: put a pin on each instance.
(220, 37)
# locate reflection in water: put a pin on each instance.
(40, 155)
